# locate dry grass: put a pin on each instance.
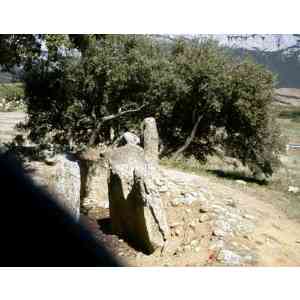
(289, 120)
(276, 191)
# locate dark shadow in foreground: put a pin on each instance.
(236, 175)
(35, 231)
(106, 227)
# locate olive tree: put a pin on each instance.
(18, 49)
(91, 88)
(220, 94)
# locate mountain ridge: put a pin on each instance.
(261, 42)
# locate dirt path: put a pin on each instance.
(275, 240)
(213, 224)
(8, 121)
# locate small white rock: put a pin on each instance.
(293, 189)
(175, 202)
(229, 257)
(204, 218)
(242, 182)
(193, 225)
(176, 224)
(187, 247)
(249, 217)
(163, 189)
(219, 232)
(194, 243)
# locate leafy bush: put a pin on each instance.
(80, 99)
(12, 96)
(18, 49)
(12, 91)
(91, 88)
(225, 103)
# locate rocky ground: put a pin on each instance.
(287, 96)
(211, 225)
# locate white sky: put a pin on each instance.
(151, 16)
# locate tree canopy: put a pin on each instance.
(16, 49)
(89, 89)
(228, 96)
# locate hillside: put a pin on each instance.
(217, 215)
(259, 42)
(278, 52)
(284, 63)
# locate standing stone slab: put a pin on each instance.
(62, 180)
(67, 184)
(95, 185)
(136, 209)
(151, 140)
(94, 173)
(154, 212)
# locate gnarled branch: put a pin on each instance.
(115, 116)
(108, 118)
(189, 138)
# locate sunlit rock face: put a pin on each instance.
(62, 179)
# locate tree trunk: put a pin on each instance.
(189, 138)
(94, 135)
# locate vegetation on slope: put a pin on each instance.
(89, 89)
(12, 97)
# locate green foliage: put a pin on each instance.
(92, 85)
(76, 100)
(12, 97)
(285, 64)
(17, 49)
(232, 101)
(253, 134)
(12, 91)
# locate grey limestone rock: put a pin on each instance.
(62, 180)
(151, 140)
(136, 209)
(131, 138)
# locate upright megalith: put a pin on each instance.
(94, 172)
(151, 140)
(136, 209)
(154, 211)
(67, 184)
(96, 192)
(62, 180)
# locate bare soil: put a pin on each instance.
(275, 240)
(288, 96)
